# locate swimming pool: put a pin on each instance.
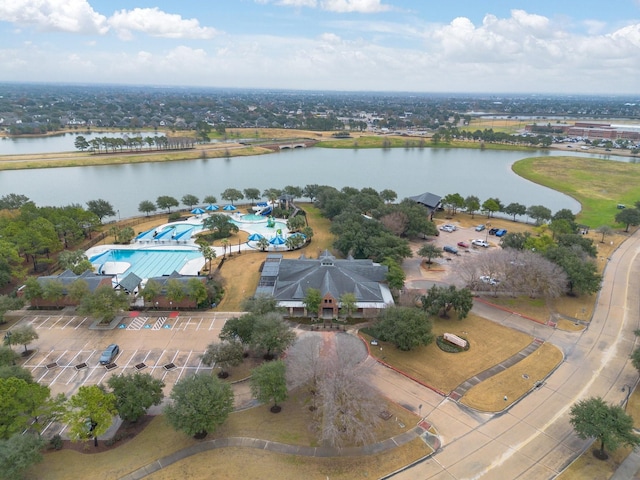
(147, 263)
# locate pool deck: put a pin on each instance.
(193, 266)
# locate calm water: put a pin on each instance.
(408, 172)
(58, 143)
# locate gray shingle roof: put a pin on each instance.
(326, 274)
(427, 199)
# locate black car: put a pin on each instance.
(109, 354)
(450, 249)
(493, 231)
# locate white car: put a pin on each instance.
(489, 280)
(448, 228)
(480, 243)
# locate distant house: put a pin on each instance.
(429, 200)
(288, 280)
(66, 278)
(162, 301)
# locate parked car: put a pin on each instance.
(501, 232)
(450, 249)
(480, 243)
(463, 244)
(448, 228)
(109, 354)
(489, 280)
(493, 231)
(480, 228)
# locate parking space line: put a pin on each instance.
(66, 324)
(62, 370)
(174, 357)
(83, 320)
(183, 368)
(72, 363)
(213, 322)
(56, 322)
(199, 323)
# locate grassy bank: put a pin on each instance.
(599, 185)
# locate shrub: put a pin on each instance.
(56, 442)
(450, 347)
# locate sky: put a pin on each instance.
(463, 46)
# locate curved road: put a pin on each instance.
(533, 439)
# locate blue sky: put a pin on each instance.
(541, 46)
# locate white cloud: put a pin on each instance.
(156, 23)
(75, 16)
(338, 6)
(351, 6)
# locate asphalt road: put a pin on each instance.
(533, 439)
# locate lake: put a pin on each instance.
(484, 173)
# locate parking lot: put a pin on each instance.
(168, 346)
(465, 235)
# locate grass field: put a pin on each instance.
(599, 185)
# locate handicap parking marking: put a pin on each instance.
(159, 323)
(137, 323)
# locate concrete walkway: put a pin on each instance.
(419, 430)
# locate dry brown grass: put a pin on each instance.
(291, 427)
(241, 272)
(490, 344)
(253, 464)
(514, 382)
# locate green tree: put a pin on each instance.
(388, 196)
(32, 291)
(190, 200)
(260, 304)
(629, 216)
(609, 424)
(239, 328)
(7, 356)
(515, 240)
(405, 327)
(175, 290)
(395, 274)
(311, 191)
(100, 208)
(81, 143)
(210, 199)
(221, 224)
(90, 413)
(441, 300)
(224, 355)
(166, 202)
(197, 291)
(472, 204)
(232, 195)
(312, 300)
(22, 335)
(539, 213)
(53, 291)
(429, 251)
(515, 209)
(208, 253)
(146, 207)
(75, 260)
(10, 263)
(263, 244)
(582, 272)
(296, 223)
(77, 290)
(151, 290)
(21, 403)
(268, 383)
(272, 335)
(348, 303)
(135, 394)
(18, 454)
(251, 194)
(490, 206)
(199, 404)
(104, 303)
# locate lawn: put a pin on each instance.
(490, 343)
(291, 426)
(599, 185)
(514, 382)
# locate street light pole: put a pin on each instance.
(626, 400)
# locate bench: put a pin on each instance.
(456, 340)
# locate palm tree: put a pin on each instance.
(225, 244)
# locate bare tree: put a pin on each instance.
(516, 272)
(345, 407)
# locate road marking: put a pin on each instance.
(66, 324)
(55, 323)
(213, 321)
(85, 318)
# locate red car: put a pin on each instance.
(463, 244)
